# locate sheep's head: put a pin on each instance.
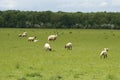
(65, 46)
(56, 35)
(106, 49)
(50, 49)
(20, 35)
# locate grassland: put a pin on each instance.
(23, 60)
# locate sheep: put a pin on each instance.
(31, 38)
(47, 47)
(24, 34)
(52, 37)
(104, 53)
(35, 40)
(68, 46)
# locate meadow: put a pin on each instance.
(23, 60)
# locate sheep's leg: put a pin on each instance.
(70, 48)
(106, 56)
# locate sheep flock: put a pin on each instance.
(52, 38)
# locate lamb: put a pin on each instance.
(47, 47)
(52, 37)
(31, 38)
(68, 46)
(104, 53)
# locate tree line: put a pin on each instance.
(49, 19)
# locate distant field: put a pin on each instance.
(23, 60)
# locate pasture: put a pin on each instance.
(23, 60)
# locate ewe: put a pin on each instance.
(68, 46)
(47, 47)
(35, 40)
(104, 53)
(52, 37)
(31, 38)
(24, 34)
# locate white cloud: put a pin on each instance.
(7, 4)
(104, 4)
(61, 5)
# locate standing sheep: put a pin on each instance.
(47, 47)
(68, 46)
(104, 53)
(52, 37)
(31, 38)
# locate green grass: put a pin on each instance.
(23, 60)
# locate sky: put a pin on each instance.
(61, 5)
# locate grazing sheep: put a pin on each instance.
(104, 53)
(24, 34)
(68, 46)
(31, 38)
(47, 47)
(35, 40)
(52, 37)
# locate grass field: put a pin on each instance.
(23, 60)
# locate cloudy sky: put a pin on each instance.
(61, 5)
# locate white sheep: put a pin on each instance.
(35, 40)
(52, 37)
(68, 46)
(104, 53)
(31, 38)
(47, 47)
(24, 34)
